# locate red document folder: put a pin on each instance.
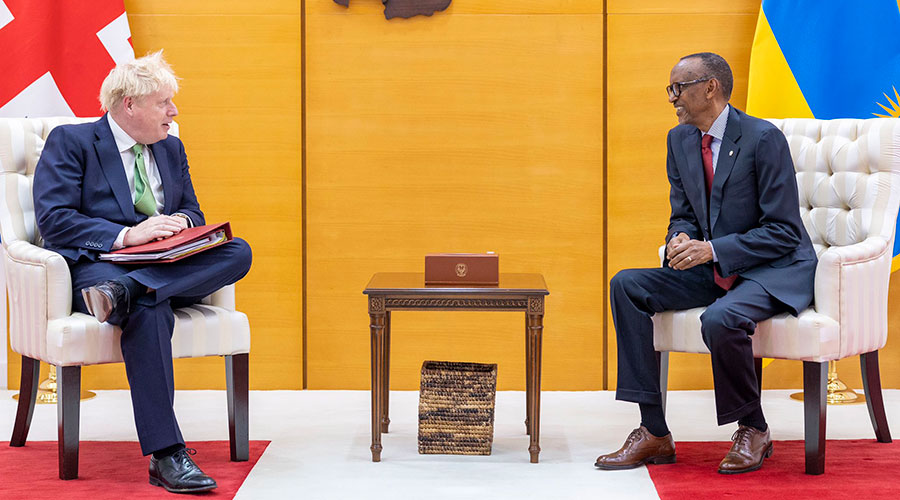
(186, 243)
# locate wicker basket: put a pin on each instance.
(456, 408)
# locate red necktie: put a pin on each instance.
(706, 153)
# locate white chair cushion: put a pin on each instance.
(200, 330)
(810, 336)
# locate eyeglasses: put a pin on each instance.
(675, 89)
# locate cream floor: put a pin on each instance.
(320, 441)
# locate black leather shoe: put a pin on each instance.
(177, 473)
(106, 298)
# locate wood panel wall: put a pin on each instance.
(477, 129)
(240, 114)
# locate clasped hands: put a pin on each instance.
(158, 227)
(685, 253)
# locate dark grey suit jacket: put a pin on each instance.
(753, 215)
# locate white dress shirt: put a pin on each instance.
(124, 143)
(717, 131)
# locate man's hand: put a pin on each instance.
(157, 227)
(676, 240)
(685, 253)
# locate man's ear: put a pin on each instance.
(711, 87)
(127, 104)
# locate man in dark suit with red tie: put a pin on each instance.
(735, 244)
(124, 181)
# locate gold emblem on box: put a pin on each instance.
(462, 270)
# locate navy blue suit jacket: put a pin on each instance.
(81, 195)
(753, 216)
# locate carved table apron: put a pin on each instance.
(407, 292)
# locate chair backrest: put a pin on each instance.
(21, 143)
(848, 176)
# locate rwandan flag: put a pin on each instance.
(827, 59)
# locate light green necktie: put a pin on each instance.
(143, 195)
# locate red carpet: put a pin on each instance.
(861, 469)
(112, 469)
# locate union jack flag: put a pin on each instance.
(56, 54)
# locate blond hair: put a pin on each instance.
(137, 78)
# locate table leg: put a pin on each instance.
(528, 356)
(377, 329)
(386, 374)
(535, 333)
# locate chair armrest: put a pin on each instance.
(223, 297)
(852, 287)
(39, 277)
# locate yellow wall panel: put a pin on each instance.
(207, 8)
(454, 133)
(642, 50)
(239, 107)
(668, 8)
(459, 7)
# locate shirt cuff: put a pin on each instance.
(711, 247)
(120, 240)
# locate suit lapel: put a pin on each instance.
(113, 170)
(165, 175)
(728, 153)
(695, 183)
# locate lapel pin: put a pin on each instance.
(730, 153)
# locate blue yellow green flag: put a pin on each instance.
(827, 59)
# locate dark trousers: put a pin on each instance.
(147, 328)
(729, 320)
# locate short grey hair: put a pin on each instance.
(716, 67)
(137, 78)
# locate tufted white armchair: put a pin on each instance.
(42, 326)
(848, 175)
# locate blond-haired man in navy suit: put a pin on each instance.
(123, 181)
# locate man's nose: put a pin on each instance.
(174, 110)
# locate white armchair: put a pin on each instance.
(42, 326)
(848, 175)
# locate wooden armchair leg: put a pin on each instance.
(868, 362)
(662, 360)
(237, 377)
(68, 399)
(815, 380)
(28, 386)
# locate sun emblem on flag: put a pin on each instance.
(894, 110)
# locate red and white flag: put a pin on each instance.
(55, 54)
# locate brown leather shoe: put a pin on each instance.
(640, 448)
(750, 447)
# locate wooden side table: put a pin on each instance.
(407, 292)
